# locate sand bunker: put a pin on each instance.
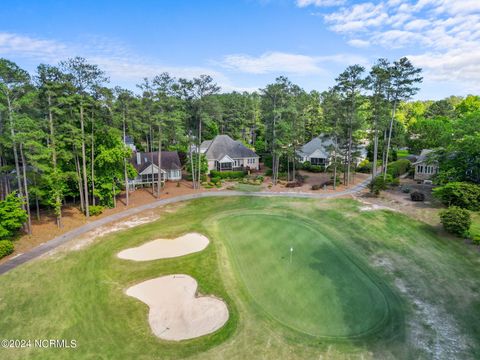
(175, 311)
(166, 248)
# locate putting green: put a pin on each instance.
(320, 291)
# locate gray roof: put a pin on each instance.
(424, 156)
(321, 142)
(170, 160)
(223, 145)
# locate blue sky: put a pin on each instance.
(245, 44)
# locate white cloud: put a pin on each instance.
(359, 43)
(272, 62)
(319, 3)
(24, 46)
(442, 36)
(120, 64)
(280, 62)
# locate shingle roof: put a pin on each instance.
(223, 145)
(170, 160)
(424, 156)
(321, 142)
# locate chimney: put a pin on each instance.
(139, 158)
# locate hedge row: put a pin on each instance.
(227, 174)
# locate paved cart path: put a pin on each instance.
(70, 235)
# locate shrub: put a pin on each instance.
(417, 196)
(292, 184)
(316, 168)
(378, 184)
(178, 183)
(96, 210)
(456, 220)
(6, 248)
(12, 216)
(364, 167)
(317, 187)
(398, 167)
(215, 179)
(227, 174)
(307, 166)
(395, 182)
(476, 239)
(260, 178)
(461, 194)
(405, 189)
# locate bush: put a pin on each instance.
(6, 248)
(260, 178)
(394, 182)
(227, 174)
(307, 166)
(292, 184)
(398, 168)
(456, 220)
(378, 184)
(476, 239)
(317, 187)
(364, 167)
(96, 210)
(215, 179)
(417, 196)
(405, 189)
(12, 216)
(461, 194)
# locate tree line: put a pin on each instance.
(62, 129)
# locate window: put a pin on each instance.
(317, 161)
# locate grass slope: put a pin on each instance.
(80, 294)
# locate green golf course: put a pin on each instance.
(358, 285)
(317, 289)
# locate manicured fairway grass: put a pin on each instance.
(321, 292)
(381, 286)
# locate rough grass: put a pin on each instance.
(80, 295)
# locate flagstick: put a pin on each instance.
(291, 253)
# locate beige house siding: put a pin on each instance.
(211, 165)
(424, 171)
(252, 163)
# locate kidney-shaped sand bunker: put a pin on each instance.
(176, 313)
(166, 248)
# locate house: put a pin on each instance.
(146, 163)
(224, 154)
(128, 141)
(425, 167)
(318, 151)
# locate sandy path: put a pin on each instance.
(175, 311)
(166, 248)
